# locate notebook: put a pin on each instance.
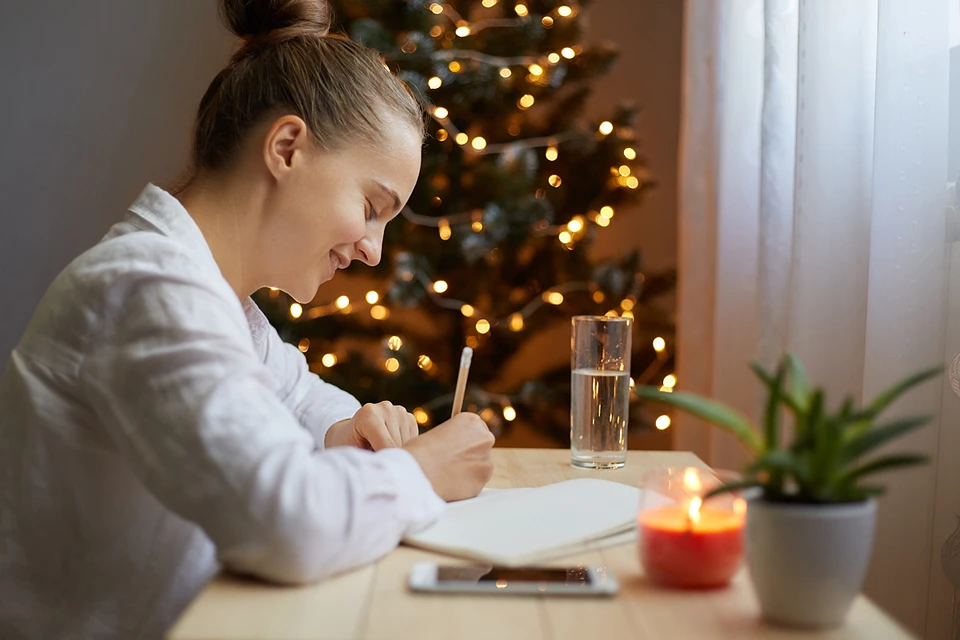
(514, 527)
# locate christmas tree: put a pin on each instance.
(492, 249)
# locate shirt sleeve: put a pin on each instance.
(316, 404)
(178, 386)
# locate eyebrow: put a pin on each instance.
(390, 194)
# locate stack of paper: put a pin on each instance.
(513, 527)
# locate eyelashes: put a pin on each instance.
(371, 213)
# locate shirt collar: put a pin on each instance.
(166, 214)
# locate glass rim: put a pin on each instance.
(587, 318)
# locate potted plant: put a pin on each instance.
(810, 523)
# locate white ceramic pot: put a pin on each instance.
(808, 562)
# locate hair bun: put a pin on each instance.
(273, 21)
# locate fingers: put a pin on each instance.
(370, 424)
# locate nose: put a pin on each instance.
(369, 249)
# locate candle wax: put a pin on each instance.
(679, 551)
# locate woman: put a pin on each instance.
(152, 424)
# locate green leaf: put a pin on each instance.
(771, 418)
(883, 464)
(886, 398)
(799, 382)
(709, 410)
(873, 438)
(732, 486)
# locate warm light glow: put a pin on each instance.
(551, 153)
(633, 383)
(691, 480)
(328, 360)
(516, 322)
(462, 138)
(467, 311)
(372, 297)
(487, 414)
(603, 222)
(526, 101)
(489, 3)
(521, 10)
(273, 289)
(296, 310)
(598, 297)
(304, 345)
(547, 22)
(553, 297)
(694, 510)
(509, 413)
(612, 314)
(425, 363)
(554, 58)
(627, 314)
(442, 135)
(740, 507)
(444, 230)
(568, 53)
(554, 180)
(472, 342)
(391, 365)
(436, 30)
(440, 286)
(505, 72)
(483, 326)
(565, 237)
(606, 212)
(627, 304)
(501, 584)
(606, 127)
(670, 381)
(441, 112)
(463, 32)
(624, 170)
(513, 129)
(378, 312)
(394, 343)
(659, 344)
(535, 69)
(565, 11)
(436, 8)
(479, 143)
(434, 82)
(629, 153)
(454, 66)
(421, 416)
(477, 226)
(575, 225)
(666, 389)
(632, 182)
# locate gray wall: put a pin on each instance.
(96, 99)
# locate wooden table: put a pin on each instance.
(373, 601)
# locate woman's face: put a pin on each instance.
(331, 208)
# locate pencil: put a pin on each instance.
(465, 358)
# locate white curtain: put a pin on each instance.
(815, 217)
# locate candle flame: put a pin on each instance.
(694, 511)
(691, 480)
(740, 507)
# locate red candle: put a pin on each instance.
(690, 547)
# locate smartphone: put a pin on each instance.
(572, 581)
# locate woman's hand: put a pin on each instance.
(374, 426)
(456, 456)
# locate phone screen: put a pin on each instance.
(505, 575)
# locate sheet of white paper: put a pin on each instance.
(522, 526)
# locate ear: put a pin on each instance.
(286, 144)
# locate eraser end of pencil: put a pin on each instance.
(466, 357)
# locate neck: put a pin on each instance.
(224, 208)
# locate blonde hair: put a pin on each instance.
(289, 64)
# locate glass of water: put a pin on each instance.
(599, 391)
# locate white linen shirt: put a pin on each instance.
(153, 427)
